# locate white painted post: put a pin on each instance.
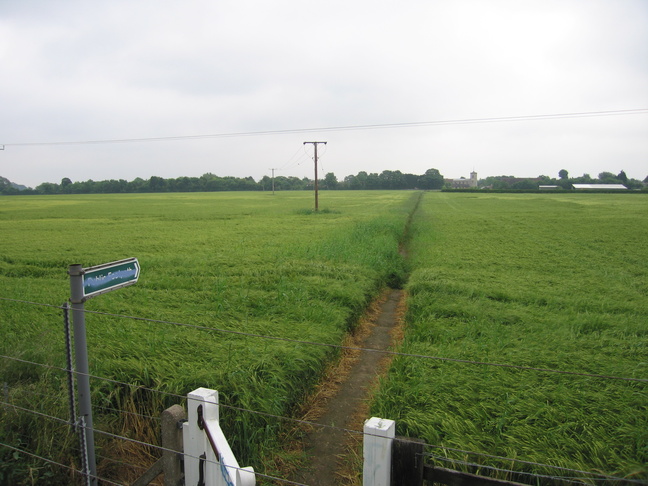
(192, 437)
(218, 470)
(378, 437)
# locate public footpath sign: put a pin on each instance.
(84, 284)
(109, 276)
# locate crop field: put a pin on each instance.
(543, 281)
(245, 262)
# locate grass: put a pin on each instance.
(541, 280)
(245, 262)
(544, 281)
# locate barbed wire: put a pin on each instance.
(454, 462)
(135, 414)
(342, 347)
(21, 301)
(573, 480)
(601, 477)
(123, 463)
(139, 442)
(183, 397)
(231, 407)
(50, 461)
(298, 421)
(520, 461)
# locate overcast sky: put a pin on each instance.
(79, 71)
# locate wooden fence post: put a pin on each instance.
(170, 464)
(377, 446)
(172, 419)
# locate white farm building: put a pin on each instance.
(600, 186)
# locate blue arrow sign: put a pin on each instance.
(109, 276)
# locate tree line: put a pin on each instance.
(387, 179)
(209, 182)
(563, 181)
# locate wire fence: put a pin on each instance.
(580, 479)
(348, 348)
(562, 474)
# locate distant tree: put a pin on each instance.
(231, 183)
(111, 186)
(525, 184)
(47, 188)
(373, 181)
(265, 183)
(645, 181)
(563, 174)
(608, 178)
(8, 188)
(292, 183)
(157, 184)
(584, 179)
(137, 185)
(501, 184)
(432, 179)
(85, 187)
(351, 182)
(623, 177)
(184, 184)
(66, 185)
(391, 179)
(634, 184)
(330, 181)
(411, 181)
(213, 184)
(247, 184)
(362, 178)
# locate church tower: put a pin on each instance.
(473, 179)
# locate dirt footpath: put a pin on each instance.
(343, 399)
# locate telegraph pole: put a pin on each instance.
(273, 180)
(316, 195)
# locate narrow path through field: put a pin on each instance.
(348, 408)
(348, 390)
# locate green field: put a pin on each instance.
(248, 262)
(543, 281)
(553, 281)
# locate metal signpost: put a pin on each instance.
(86, 283)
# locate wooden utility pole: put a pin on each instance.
(273, 180)
(316, 195)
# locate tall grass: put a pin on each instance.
(251, 263)
(544, 281)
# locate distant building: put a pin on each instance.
(463, 183)
(547, 187)
(599, 187)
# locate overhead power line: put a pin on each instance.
(341, 128)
